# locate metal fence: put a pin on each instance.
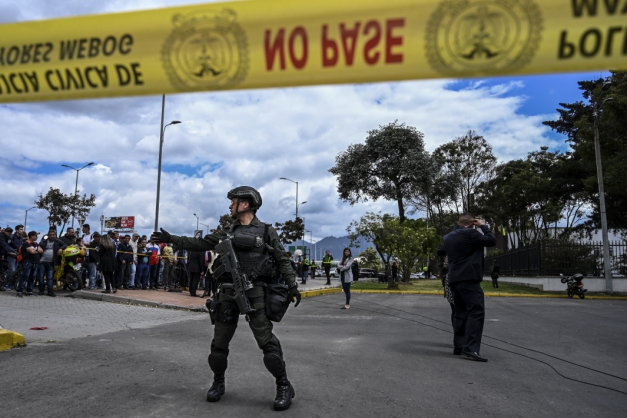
(550, 258)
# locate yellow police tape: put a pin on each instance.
(277, 43)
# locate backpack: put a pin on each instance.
(20, 256)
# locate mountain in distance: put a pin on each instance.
(334, 245)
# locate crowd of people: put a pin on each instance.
(111, 261)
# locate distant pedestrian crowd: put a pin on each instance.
(109, 262)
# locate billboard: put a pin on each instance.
(119, 223)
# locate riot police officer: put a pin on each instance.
(260, 263)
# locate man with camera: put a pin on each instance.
(464, 247)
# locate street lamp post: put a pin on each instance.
(196, 221)
(76, 184)
(607, 266)
(162, 135)
(206, 226)
(26, 216)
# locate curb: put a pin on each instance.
(79, 294)
(490, 295)
(319, 292)
(10, 339)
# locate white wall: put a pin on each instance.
(552, 284)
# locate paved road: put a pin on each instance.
(388, 356)
(68, 318)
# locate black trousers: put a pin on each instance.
(194, 278)
(469, 315)
(327, 272)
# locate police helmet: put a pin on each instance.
(246, 192)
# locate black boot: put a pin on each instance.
(217, 388)
(218, 363)
(284, 390)
(284, 394)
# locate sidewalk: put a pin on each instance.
(179, 300)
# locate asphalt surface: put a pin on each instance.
(388, 356)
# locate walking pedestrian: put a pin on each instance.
(346, 276)
(494, 274)
(464, 248)
(326, 264)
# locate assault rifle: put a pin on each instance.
(240, 282)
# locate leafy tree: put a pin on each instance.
(291, 230)
(437, 196)
(224, 224)
(374, 228)
(388, 165)
(467, 161)
(370, 259)
(576, 121)
(61, 206)
(410, 241)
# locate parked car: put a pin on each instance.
(423, 274)
(368, 273)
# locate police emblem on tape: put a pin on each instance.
(258, 241)
(499, 36)
(206, 49)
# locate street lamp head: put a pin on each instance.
(65, 165)
(302, 203)
(174, 122)
(606, 85)
(92, 163)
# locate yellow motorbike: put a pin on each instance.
(68, 273)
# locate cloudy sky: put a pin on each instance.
(252, 138)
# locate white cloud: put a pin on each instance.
(229, 139)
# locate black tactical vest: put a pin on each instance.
(251, 251)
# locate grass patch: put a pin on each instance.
(436, 285)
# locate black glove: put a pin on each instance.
(295, 295)
(163, 236)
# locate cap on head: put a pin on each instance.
(96, 234)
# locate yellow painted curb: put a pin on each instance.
(10, 339)
(491, 294)
(319, 292)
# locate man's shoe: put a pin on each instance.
(51, 294)
(457, 351)
(28, 294)
(19, 294)
(41, 293)
(284, 394)
(217, 389)
(474, 356)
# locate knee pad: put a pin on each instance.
(218, 362)
(274, 363)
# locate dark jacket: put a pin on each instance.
(16, 242)
(58, 245)
(108, 263)
(124, 248)
(93, 256)
(5, 247)
(67, 240)
(464, 248)
(196, 262)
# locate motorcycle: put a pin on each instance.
(69, 271)
(574, 285)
